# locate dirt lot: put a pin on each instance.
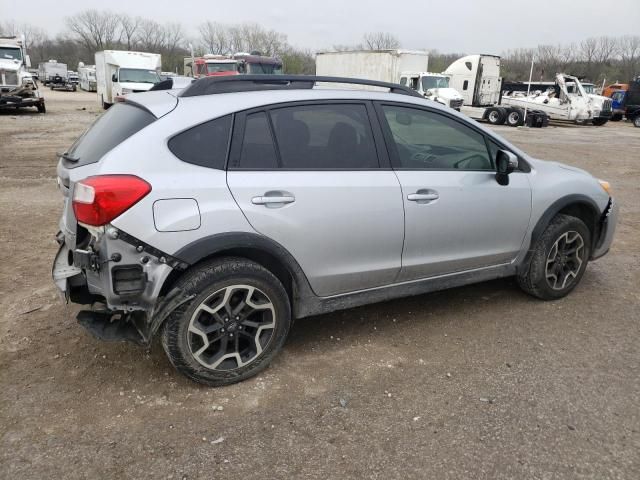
(477, 382)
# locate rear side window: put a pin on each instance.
(321, 137)
(258, 151)
(205, 144)
(117, 124)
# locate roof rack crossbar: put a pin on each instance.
(249, 83)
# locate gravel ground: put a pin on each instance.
(478, 382)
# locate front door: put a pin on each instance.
(457, 216)
(308, 176)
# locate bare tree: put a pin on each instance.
(151, 37)
(128, 29)
(96, 30)
(380, 41)
(606, 49)
(629, 50)
(215, 37)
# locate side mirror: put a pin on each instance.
(114, 78)
(506, 162)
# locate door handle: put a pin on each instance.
(423, 197)
(271, 200)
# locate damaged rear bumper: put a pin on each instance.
(122, 278)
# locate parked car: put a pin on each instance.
(216, 215)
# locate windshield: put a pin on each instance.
(221, 67)
(589, 88)
(137, 75)
(264, 68)
(8, 53)
(435, 82)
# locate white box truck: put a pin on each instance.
(119, 72)
(407, 67)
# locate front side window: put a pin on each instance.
(428, 140)
(324, 137)
(205, 144)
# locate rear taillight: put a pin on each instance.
(98, 200)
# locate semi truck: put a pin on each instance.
(52, 71)
(210, 66)
(478, 79)
(17, 86)
(237, 64)
(120, 72)
(407, 67)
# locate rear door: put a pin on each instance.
(316, 179)
(457, 215)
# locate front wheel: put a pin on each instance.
(598, 122)
(636, 121)
(559, 259)
(42, 108)
(234, 326)
(616, 117)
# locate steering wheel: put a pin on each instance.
(422, 157)
(469, 159)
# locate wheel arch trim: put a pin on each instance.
(233, 242)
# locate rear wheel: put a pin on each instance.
(515, 118)
(559, 259)
(234, 326)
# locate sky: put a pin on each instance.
(469, 26)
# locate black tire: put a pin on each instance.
(495, 116)
(206, 281)
(636, 121)
(534, 279)
(515, 118)
(105, 105)
(42, 108)
(616, 117)
(598, 122)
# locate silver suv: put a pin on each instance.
(216, 215)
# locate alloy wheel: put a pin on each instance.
(231, 327)
(564, 260)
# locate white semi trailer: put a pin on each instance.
(407, 67)
(121, 72)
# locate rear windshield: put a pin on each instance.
(116, 125)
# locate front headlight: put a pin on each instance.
(605, 186)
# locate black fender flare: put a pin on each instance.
(552, 211)
(234, 242)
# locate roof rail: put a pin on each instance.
(250, 83)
